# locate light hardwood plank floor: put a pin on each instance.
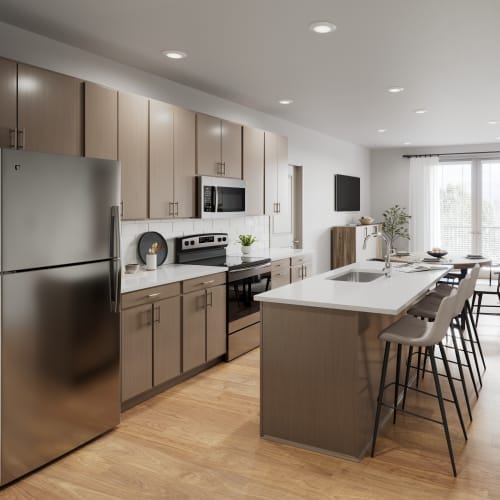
(201, 440)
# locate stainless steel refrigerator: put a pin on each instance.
(60, 279)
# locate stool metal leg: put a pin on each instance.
(468, 311)
(441, 407)
(478, 310)
(419, 360)
(380, 396)
(407, 376)
(467, 357)
(396, 385)
(452, 388)
(461, 371)
(472, 347)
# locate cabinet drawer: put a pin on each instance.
(150, 295)
(301, 259)
(280, 265)
(203, 282)
(280, 278)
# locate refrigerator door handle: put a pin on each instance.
(115, 256)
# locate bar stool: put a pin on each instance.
(413, 332)
(467, 316)
(427, 308)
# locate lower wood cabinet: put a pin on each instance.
(165, 334)
(150, 339)
(166, 340)
(300, 268)
(137, 351)
(204, 326)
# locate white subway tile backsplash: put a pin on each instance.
(164, 228)
(132, 230)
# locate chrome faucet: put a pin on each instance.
(387, 267)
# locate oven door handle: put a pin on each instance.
(264, 266)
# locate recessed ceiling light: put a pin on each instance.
(285, 101)
(381, 130)
(395, 90)
(420, 111)
(174, 54)
(406, 143)
(322, 27)
(493, 122)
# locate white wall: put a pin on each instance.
(390, 173)
(320, 155)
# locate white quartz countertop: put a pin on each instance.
(274, 253)
(169, 273)
(383, 295)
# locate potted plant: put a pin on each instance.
(395, 225)
(246, 240)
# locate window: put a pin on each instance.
(469, 207)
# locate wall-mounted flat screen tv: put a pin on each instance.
(346, 193)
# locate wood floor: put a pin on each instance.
(201, 440)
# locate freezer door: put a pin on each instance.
(60, 363)
(56, 210)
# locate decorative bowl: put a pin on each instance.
(437, 255)
(366, 220)
(131, 268)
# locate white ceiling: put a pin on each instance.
(445, 53)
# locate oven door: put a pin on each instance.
(243, 311)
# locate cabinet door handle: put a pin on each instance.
(176, 209)
(21, 134)
(305, 270)
(223, 168)
(279, 207)
(121, 208)
(151, 295)
(170, 212)
(158, 318)
(211, 295)
(13, 137)
(219, 167)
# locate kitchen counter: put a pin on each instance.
(321, 356)
(382, 296)
(169, 273)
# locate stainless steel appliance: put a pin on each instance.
(246, 277)
(60, 284)
(220, 197)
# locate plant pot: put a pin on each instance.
(245, 249)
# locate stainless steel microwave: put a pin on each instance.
(219, 197)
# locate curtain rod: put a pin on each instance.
(451, 154)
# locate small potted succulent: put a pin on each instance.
(246, 240)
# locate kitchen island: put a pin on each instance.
(321, 358)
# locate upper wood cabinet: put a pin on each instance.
(185, 162)
(253, 170)
(161, 160)
(171, 161)
(218, 147)
(133, 150)
(276, 173)
(101, 122)
(49, 111)
(8, 103)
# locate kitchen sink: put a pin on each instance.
(357, 276)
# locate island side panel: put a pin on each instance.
(309, 377)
